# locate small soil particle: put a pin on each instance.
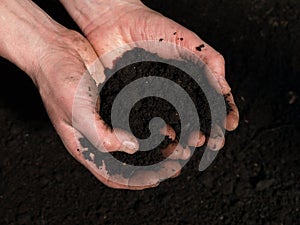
(199, 48)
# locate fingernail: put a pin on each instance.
(130, 145)
(216, 144)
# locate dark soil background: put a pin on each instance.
(255, 178)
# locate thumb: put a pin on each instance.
(88, 122)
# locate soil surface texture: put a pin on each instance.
(150, 107)
(255, 178)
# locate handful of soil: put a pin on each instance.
(149, 66)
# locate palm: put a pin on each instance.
(140, 24)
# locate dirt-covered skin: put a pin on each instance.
(255, 179)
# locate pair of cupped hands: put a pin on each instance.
(66, 56)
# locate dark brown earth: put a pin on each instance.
(150, 107)
(255, 178)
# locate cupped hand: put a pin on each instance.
(64, 67)
(111, 25)
(65, 74)
(68, 77)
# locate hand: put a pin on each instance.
(67, 82)
(64, 67)
(109, 25)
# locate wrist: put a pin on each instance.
(86, 12)
(25, 30)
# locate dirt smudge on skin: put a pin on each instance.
(200, 47)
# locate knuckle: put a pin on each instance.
(220, 59)
(72, 37)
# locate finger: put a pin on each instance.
(169, 41)
(143, 179)
(110, 140)
(182, 43)
(196, 139)
(169, 169)
(232, 119)
(216, 140)
(188, 40)
(187, 45)
(168, 131)
(175, 151)
(89, 123)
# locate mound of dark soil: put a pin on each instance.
(149, 107)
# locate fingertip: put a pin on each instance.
(232, 120)
(123, 141)
(216, 145)
(168, 131)
(196, 139)
(129, 147)
(216, 140)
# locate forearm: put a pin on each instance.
(85, 11)
(24, 27)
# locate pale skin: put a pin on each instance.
(56, 58)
